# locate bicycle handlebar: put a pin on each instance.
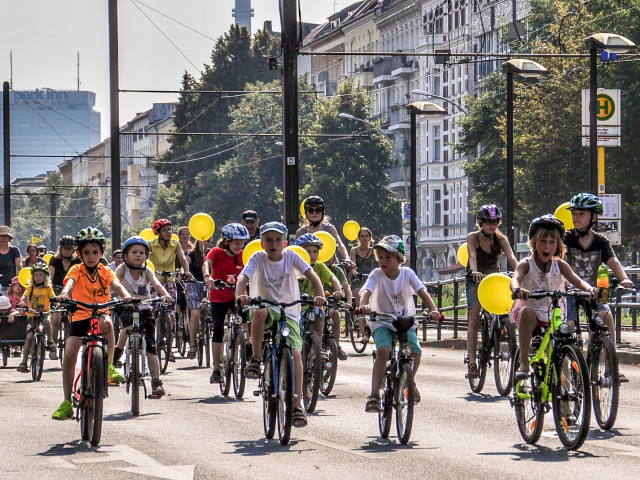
(558, 293)
(92, 306)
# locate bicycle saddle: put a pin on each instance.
(403, 324)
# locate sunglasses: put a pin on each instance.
(249, 220)
(314, 210)
(492, 222)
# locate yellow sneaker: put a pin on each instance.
(115, 376)
(64, 411)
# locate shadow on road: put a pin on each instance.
(540, 453)
(387, 445)
(253, 448)
(118, 417)
(66, 449)
(484, 398)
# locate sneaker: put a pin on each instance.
(64, 411)
(53, 354)
(22, 368)
(473, 371)
(364, 340)
(156, 388)
(341, 354)
(115, 376)
(416, 395)
(172, 357)
(373, 404)
(622, 378)
(520, 375)
(215, 376)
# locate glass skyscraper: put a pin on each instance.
(47, 124)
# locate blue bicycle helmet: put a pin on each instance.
(235, 231)
(135, 240)
(309, 239)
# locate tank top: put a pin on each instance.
(536, 280)
(163, 258)
(486, 262)
(365, 264)
(325, 228)
(137, 288)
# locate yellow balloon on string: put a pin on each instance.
(304, 215)
(24, 276)
(494, 294)
(47, 258)
(251, 248)
(151, 266)
(201, 226)
(148, 234)
(564, 215)
(350, 230)
(175, 237)
(463, 254)
(300, 251)
(328, 249)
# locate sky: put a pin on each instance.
(158, 41)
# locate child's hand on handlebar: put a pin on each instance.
(243, 300)
(319, 301)
(364, 310)
(166, 299)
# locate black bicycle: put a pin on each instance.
(183, 314)
(204, 335)
(162, 315)
(63, 333)
(38, 347)
(311, 356)
(329, 350)
(498, 335)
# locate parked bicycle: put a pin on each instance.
(90, 387)
(498, 334)
(559, 380)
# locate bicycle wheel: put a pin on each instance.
(572, 397)
(482, 354)
(285, 395)
(405, 403)
(225, 363)
(605, 387)
(311, 371)
(239, 364)
(504, 347)
(37, 358)
(207, 344)
(5, 355)
(200, 348)
(528, 406)
(329, 365)
(268, 401)
(134, 375)
(181, 337)
(92, 396)
(386, 408)
(163, 328)
(63, 333)
(357, 340)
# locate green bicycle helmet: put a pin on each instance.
(40, 267)
(586, 201)
(90, 234)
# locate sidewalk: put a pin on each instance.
(628, 349)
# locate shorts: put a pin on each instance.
(193, 293)
(572, 312)
(516, 309)
(147, 324)
(294, 340)
(383, 337)
(471, 290)
(218, 314)
(80, 328)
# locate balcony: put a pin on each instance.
(363, 77)
(382, 70)
(403, 65)
(399, 118)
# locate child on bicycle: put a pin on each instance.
(137, 279)
(543, 270)
(36, 297)
(340, 274)
(89, 282)
(272, 275)
(223, 262)
(485, 246)
(587, 250)
(312, 244)
(390, 289)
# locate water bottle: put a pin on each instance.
(603, 281)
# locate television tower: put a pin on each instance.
(243, 13)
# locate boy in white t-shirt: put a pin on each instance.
(272, 274)
(390, 289)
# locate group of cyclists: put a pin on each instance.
(372, 276)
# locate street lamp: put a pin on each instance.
(107, 207)
(611, 43)
(140, 196)
(348, 116)
(417, 91)
(524, 68)
(414, 109)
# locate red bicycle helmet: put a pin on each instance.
(158, 224)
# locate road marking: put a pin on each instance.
(233, 418)
(624, 449)
(60, 463)
(337, 446)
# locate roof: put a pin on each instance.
(451, 269)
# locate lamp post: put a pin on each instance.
(414, 109)
(417, 91)
(140, 196)
(612, 43)
(107, 207)
(524, 68)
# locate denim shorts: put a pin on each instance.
(471, 290)
(384, 337)
(193, 293)
(572, 313)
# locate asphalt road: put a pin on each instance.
(193, 432)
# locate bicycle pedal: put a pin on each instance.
(256, 393)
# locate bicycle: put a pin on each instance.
(329, 351)
(90, 387)
(359, 341)
(498, 334)
(311, 356)
(135, 364)
(204, 336)
(398, 390)
(602, 361)
(38, 347)
(63, 334)
(276, 384)
(183, 315)
(166, 328)
(558, 380)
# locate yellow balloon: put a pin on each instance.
(151, 266)
(201, 226)
(494, 294)
(328, 249)
(463, 254)
(24, 276)
(148, 234)
(47, 258)
(251, 248)
(564, 215)
(304, 215)
(175, 237)
(350, 230)
(300, 251)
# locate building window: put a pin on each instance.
(437, 206)
(437, 154)
(436, 85)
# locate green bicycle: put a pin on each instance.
(559, 379)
